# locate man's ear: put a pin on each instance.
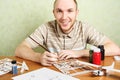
(53, 12)
(77, 12)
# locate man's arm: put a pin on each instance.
(25, 51)
(111, 49)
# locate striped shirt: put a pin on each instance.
(53, 39)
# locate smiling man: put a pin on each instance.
(65, 14)
(64, 38)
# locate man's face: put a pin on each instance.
(65, 13)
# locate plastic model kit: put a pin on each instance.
(75, 67)
(6, 66)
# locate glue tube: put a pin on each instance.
(14, 67)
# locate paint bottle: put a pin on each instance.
(102, 50)
(14, 67)
(97, 56)
(90, 56)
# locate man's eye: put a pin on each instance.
(70, 10)
(59, 11)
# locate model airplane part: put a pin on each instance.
(89, 64)
(80, 73)
(110, 68)
(98, 73)
(24, 67)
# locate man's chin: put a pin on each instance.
(66, 30)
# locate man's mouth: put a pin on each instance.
(65, 23)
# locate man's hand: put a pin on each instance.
(47, 58)
(66, 54)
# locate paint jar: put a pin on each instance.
(90, 56)
(97, 56)
(102, 50)
(14, 67)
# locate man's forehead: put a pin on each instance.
(62, 4)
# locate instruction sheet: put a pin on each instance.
(44, 74)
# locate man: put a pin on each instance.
(63, 38)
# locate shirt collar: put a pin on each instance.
(70, 35)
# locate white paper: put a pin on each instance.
(44, 74)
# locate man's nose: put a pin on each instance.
(64, 15)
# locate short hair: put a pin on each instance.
(73, 0)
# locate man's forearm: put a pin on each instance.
(27, 53)
(111, 49)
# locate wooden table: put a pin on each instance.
(33, 66)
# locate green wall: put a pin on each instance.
(19, 18)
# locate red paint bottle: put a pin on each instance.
(97, 56)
